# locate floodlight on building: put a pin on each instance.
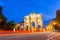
(27, 21)
(54, 23)
(18, 24)
(38, 20)
(21, 26)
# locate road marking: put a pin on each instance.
(51, 35)
(51, 38)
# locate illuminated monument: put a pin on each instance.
(33, 22)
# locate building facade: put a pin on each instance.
(54, 24)
(33, 22)
(51, 25)
(58, 16)
(20, 26)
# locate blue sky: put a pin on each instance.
(17, 9)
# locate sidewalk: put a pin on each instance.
(6, 33)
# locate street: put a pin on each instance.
(31, 36)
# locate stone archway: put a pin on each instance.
(39, 26)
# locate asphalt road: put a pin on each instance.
(32, 36)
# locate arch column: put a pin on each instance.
(33, 19)
(27, 23)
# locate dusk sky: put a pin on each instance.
(17, 9)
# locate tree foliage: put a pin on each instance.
(11, 25)
(3, 21)
(4, 25)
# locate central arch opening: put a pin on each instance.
(33, 24)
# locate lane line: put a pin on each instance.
(51, 38)
(51, 35)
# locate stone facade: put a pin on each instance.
(33, 22)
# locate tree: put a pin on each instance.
(11, 25)
(3, 20)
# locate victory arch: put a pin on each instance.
(33, 22)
